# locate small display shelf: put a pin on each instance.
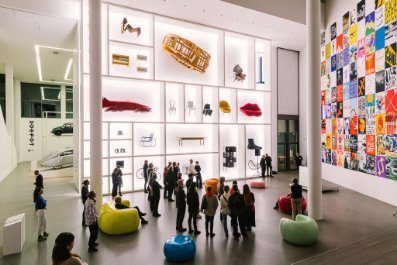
(229, 156)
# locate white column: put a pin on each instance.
(9, 70)
(95, 62)
(63, 102)
(313, 109)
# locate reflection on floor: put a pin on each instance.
(348, 217)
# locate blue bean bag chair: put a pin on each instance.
(179, 248)
(302, 231)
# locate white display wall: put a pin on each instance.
(177, 96)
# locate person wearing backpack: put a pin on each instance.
(225, 211)
(236, 206)
(209, 205)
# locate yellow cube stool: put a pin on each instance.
(113, 221)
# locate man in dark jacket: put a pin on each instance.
(84, 195)
(298, 160)
(39, 179)
(263, 166)
(236, 205)
(180, 205)
(268, 165)
(145, 174)
(296, 198)
(171, 182)
(155, 198)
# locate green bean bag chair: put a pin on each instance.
(302, 231)
(113, 221)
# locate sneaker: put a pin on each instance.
(212, 235)
(143, 214)
(156, 215)
(197, 232)
(41, 238)
(46, 234)
(144, 222)
(182, 230)
(92, 250)
(191, 231)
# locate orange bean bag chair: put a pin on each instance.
(213, 183)
(257, 185)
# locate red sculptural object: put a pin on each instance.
(251, 109)
(284, 204)
(112, 105)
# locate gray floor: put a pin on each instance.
(349, 218)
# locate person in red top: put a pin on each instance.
(249, 210)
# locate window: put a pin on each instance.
(3, 94)
(69, 102)
(39, 101)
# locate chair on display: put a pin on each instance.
(172, 108)
(113, 221)
(207, 111)
(224, 106)
(213, 182)
(179, 248)
(302, 231)
(190, 107)
(284, 204)
(148, 141)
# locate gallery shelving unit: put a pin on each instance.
(177, 96)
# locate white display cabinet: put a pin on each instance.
(149, 139)
(174, 102)
(105, 149)
(232, 136)
(128, 60)
(262, 137)
(262, 99)
(135, 20)
(158, 162)
(208, 39)
(239, 53)
(193, 103)
(208, 163)
(230, 97)
(191, 138)
(210, 96)
(262, 64)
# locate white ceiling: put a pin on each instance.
(21, 31)
(282, 32)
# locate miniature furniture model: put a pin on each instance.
(181, 139)
(302, 231)
(186, 53)
(14, 234)
(190, 107)
(172, 108)
(127, 27)
(213, 183)
(257, 185)
(229, 156)
(179, 248)
(148, 141)
(207, 111)
(224, 106)
(113, 221)
(284, 204)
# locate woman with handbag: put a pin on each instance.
(225, 211)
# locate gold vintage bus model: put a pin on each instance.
(186, 52)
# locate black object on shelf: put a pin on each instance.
(229, 156)
(207, 111)
(252, 145)
(257, 152)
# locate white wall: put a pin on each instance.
(302, 107)
(8, 156)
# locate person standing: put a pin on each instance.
(209, 204)
(91, 219)
(268, 165)
(225, 211)
(296, 198)
(145, 175)
(298, 160)
(154, 195)
(180, 205)
(165, 182)
(263, 166)
(221, 186)
(199, 180)
(120, 175)
(39, 179)
(236, 206)
(189, 181)
(41, 211)
(171, 182)
(249, 209)
(193, 208)
(190, 169)
(84, 195)
(115, 181)
(61, 253)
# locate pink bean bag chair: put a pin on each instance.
(257, 185)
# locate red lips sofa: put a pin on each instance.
(284, 204)
(251, 109)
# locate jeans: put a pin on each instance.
(269, 170)
(263, 171)
(170, 188)
(192, 216)
(93, 234)
(180, 216)
(209, 220)
(42, 222)
(199, 180)
(224, 222)
(296, 205)
(114, 189)
(145, 185)
(154, 204)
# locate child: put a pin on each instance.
(40, 205)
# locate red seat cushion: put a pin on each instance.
(257, 185)
(284, 204)
(251, 109)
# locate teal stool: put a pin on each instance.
(302, 231)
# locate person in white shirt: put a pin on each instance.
(191, 169)
(224, 201)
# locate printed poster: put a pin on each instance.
(380, 166)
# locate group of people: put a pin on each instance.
(266, 166)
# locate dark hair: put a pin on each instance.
(226, 188)
(234, 182)
(190, 175)
(209, 188)
(192, 186)
(36, 172)
(60, 252)
(295, 180)
(246, 188)
(36, 193)
(235, 187)
(86, 182)
(91, 194)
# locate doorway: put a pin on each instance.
(287, 142)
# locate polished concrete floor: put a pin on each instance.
(349, 217)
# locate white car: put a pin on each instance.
(58, 159)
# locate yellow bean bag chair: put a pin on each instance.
(224, 106)
(213, 183)
(113, 221)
